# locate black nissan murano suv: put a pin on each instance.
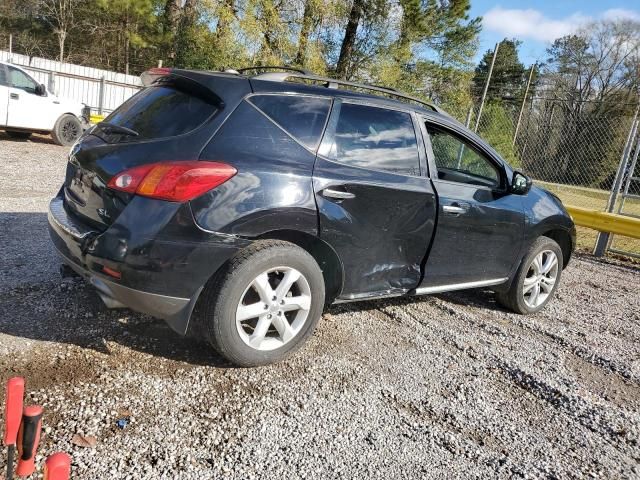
(258, 197)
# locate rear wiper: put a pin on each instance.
(112, 127)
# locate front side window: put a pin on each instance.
(19, 79)
(303, 117)
(160, 112)
(458, 161)
(377, 138)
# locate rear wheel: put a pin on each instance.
(18, 135)
(66, 130)
(537, 278)
(264, 304)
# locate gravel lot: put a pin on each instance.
(433, 387)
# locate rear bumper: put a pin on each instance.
(175, 311)
(163, 268)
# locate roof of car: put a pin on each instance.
(269, 85)
(301, 81)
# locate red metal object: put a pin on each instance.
(12, 417)
(57, 467)
(28, 439)
(13, 409)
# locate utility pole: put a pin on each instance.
(486, 86)
(524, 101)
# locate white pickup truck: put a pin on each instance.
(27, 107)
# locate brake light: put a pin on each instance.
(153, 74)
(173, 181)
(159, 71)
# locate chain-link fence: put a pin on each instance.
(573, 149)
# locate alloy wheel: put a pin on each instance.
(273, 308)
(70, 131)
(541, 278)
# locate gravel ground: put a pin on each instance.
(444, 386)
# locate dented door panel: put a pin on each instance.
(381, 230)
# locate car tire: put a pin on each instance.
(66, 130)
(247, 318)
(18, 135)
(536, 280)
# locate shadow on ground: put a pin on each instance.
(38, 304)
(34, 138)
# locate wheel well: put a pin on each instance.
(563, 239)
(324, 255)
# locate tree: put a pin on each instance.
(310, 20)
(509, 76)
(349, 40)
(61, 15)
(591, 81)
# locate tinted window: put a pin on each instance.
(378, 138)
(161, 111)
(458, 161)
(302, 117)
(18, 79)
(3, 75)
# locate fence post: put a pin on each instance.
(486, 86)
(602, 242)
(51, 85)
(101, 96)
(524, 101)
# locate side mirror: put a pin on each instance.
(41, 90)
(520, 183)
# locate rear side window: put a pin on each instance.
(161, 111)
(303, 117)
(377, 138)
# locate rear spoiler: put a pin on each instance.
(176, 78)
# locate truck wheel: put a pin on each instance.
(66, 130)
(264, 304)
(537, 278)
(18, 135)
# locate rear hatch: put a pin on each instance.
(169, 121)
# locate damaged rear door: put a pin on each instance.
(377, 209)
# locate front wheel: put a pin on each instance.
(537, 278)
(264, 304)
(66, 130)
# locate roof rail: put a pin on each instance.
(334, 83)
(274, 67)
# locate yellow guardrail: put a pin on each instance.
(95, 118)
(606, 222)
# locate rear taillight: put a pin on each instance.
(173, 181)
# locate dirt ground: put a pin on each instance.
(443, 386)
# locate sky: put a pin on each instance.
(538, 23)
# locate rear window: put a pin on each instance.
(161, 111)
(303, 117)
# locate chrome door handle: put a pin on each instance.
(14, 96)
(453, 209)
(337, 194)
